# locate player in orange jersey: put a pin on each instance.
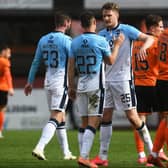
(145, 73)
(6, 85)
(162, 90)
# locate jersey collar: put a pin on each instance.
(56, 31)
(89, 33)
(108, 29)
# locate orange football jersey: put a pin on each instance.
(163, 55)
(5, 75)
(146, 71)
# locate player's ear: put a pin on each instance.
(65, 23)
(152, 28)
(94, 21)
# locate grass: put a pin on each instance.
(16, 148)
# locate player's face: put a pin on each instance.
(110, 18)
(158, 29)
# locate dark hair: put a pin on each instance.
(111, 6)
(152, 20)
(60, 19)
(86, 19)
(3, 46)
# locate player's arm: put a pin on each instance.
(33, 70)
(9, 81)
(117, 43)
(71, 78)
(148, 41)
(8, 76)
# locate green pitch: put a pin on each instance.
(16, 148)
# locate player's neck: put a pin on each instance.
(112, 27)
(60, 29)
(90, 29)
(1, 56)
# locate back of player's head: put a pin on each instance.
(3, 46)
(87, 19)
(111, 6)
(152, 20)
(60, 19)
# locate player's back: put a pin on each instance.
(89, 50)
(163, 55)
(146, 71)
(55, 48)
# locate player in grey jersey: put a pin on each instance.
(120, 94)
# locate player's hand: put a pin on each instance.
(28, 89)
(142, 54)
(72, 93)
(119, 40)
(11, 92)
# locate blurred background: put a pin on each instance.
(23, 22)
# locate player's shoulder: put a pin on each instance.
(91, 35)
(165, 32)
(76, 40)
(102, 31)
(130, 31)
(4, 62)
(44, 37)
(122, 25)
(163, 36)
(47, 36)
(59, 35)
(155, 40)
(53, 35)
(100, 37)
(126, 27)
(67, 37)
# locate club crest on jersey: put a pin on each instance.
(84, 44)
(51, 37)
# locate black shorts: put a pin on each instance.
(3, 98)
(162, 95)
(146, 99)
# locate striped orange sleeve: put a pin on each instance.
(145, 72)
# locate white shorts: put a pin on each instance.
(90, 103)
(120, 95)
(57, 98)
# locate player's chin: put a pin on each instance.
(108, 25)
